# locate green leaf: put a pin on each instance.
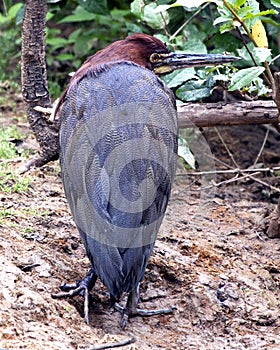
(64, 57)
(94, 6)
(74, 35)
(275, 3)
(137, 7)
(185, 152)
(118, 14)
(79, 15)
(258, 88)
(154, 19)
(227, 27)
(254, 6)
(57, 42)
(240, 3)
(193, 91)
(179, 76)
(194, 45)
(189, 5)
(262, 13)
(244, 77)
(13, 10)
(220, 77)
(83, 45)
(262, 54)
(20, 15)
(192, 32)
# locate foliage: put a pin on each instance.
(10, 180)
(78, 28)
(10, 41)
(7, 148)
(190, 26)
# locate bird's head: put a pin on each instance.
(153, 54)
(148, 52)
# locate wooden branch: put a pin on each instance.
(237, 113)
(113, 345)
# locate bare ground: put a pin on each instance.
(213, 261)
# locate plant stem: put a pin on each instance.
(188, 21)
(269, 79)
(235, 15)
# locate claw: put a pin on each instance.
(79, 288)
(130, 309)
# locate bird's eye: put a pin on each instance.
(155, 57)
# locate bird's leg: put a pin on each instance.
(131, 309)
(79, 288)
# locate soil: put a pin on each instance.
(213, 260)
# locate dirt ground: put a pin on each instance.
(213, 260)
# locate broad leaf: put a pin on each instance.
(244, 77)
(136, 8)
(95, 6)
(185, 152)
(79, 15)
(155, 19)
(178, 77)
(275, 3)
(193, 91)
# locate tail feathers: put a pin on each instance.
(119, 269)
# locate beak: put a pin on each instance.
(167, 63)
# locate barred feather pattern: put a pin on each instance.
(118, 142)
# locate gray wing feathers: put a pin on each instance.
(118, 158)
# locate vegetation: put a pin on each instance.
(10, 180)
(76, 29)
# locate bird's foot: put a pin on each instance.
(131, 310)
(140, 312)
(79, 288)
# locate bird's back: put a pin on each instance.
(118, 158)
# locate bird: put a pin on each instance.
(118, 155)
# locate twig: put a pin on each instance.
(254, 60)
(114, 345)
(5, 8)
(244, 173)
(262, 147)
(270, 78)
(164, 21)
(235, 15)
(264, 183)
(246, 46)
(226, 147)
(188, 21)
(237, 178)
(230, 171)
(274, 59)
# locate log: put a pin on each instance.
(234, 113)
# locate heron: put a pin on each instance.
(118, 154)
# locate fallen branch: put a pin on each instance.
(231, 171)
(238, 178)
(113, 345)
(236, 113)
